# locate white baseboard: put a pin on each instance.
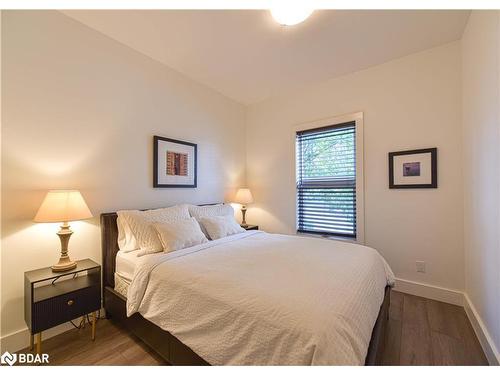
(490, 350)
(20, 339)
(437, 293)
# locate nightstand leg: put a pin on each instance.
(31, 341)
(93, 325)
(39, 343)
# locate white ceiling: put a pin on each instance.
(246, 56)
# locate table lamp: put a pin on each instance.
(244, 197)
(63, 206)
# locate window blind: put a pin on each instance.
(326, 180)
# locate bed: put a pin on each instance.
(240, 332)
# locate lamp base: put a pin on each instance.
(64, 265)
(243, 214)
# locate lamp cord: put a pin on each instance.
(86, 316)
(58, 277)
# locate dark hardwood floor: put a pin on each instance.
(113, 345)
(427, 332)
(420, 332)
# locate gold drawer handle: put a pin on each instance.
(70, 302)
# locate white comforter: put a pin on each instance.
(259, 298)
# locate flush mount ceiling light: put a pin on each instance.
(290, 15)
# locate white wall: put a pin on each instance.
(80, 111)
(481, 145)
(409, 103)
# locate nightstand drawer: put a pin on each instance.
(62, 308)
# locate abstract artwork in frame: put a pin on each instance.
(174, 163)
(413, 169)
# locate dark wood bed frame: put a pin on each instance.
(164, 343)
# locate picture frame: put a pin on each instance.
(174, 163)
(413, 169)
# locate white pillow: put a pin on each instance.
(180, 234)
(211, 210)
(220, 226)
(140, 224)
(126, 239)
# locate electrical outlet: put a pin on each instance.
(420, 266)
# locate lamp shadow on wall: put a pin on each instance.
(62, 163)
(19, 217)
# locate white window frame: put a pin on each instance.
(357, 117)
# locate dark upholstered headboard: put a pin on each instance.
(109, 243)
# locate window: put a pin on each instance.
(327, 180)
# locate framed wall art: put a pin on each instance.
(174, 163)
(413, 169)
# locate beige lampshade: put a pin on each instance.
(61, 206)
(244, 196)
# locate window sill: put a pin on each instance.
(329, 237)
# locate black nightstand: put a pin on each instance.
(52, 298)
(250, 227)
